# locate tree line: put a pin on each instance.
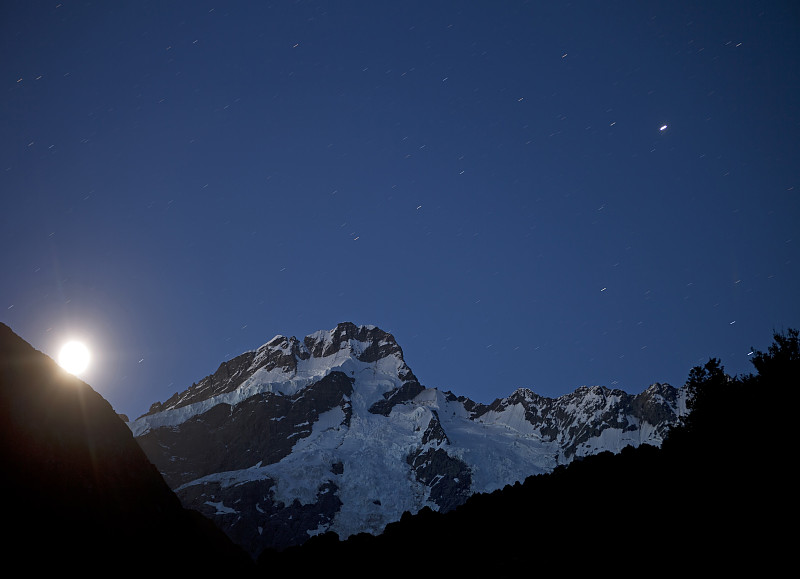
(714, 497)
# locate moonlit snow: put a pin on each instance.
(376, 484)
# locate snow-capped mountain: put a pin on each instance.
(335, 433)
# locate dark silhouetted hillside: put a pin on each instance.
(78, 493)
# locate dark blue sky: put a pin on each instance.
(488, 181)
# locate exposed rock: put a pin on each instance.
(251, 516)
(448, 478)
(397, 396)
(260, 429)
(379, 344)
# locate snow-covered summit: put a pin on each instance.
(335, 433)
(284, 365)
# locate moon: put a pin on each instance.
(74, 357)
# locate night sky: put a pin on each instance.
(526, 194)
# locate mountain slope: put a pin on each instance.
(714, 499)
(78, 491)
(335, 433)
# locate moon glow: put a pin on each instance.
(74, 357)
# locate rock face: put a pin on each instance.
(79, 492)
(335, 433)
(578, 422)
(262, 428)
(281, 356)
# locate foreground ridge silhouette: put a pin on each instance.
(78, 491)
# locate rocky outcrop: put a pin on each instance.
(256, 520)
(397, 396)
(575, 419)
(261, 429)
(281, 356)
(377, 343)
(449, 479)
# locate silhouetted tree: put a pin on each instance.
(731, 413)
(776, 383)
(710, 400)
(781, 362)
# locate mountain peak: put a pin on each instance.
(334, 432)
(285, 364)
(367, 343)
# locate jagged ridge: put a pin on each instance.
(281, 355)
(335, 432)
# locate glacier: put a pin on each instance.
(367, 442)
